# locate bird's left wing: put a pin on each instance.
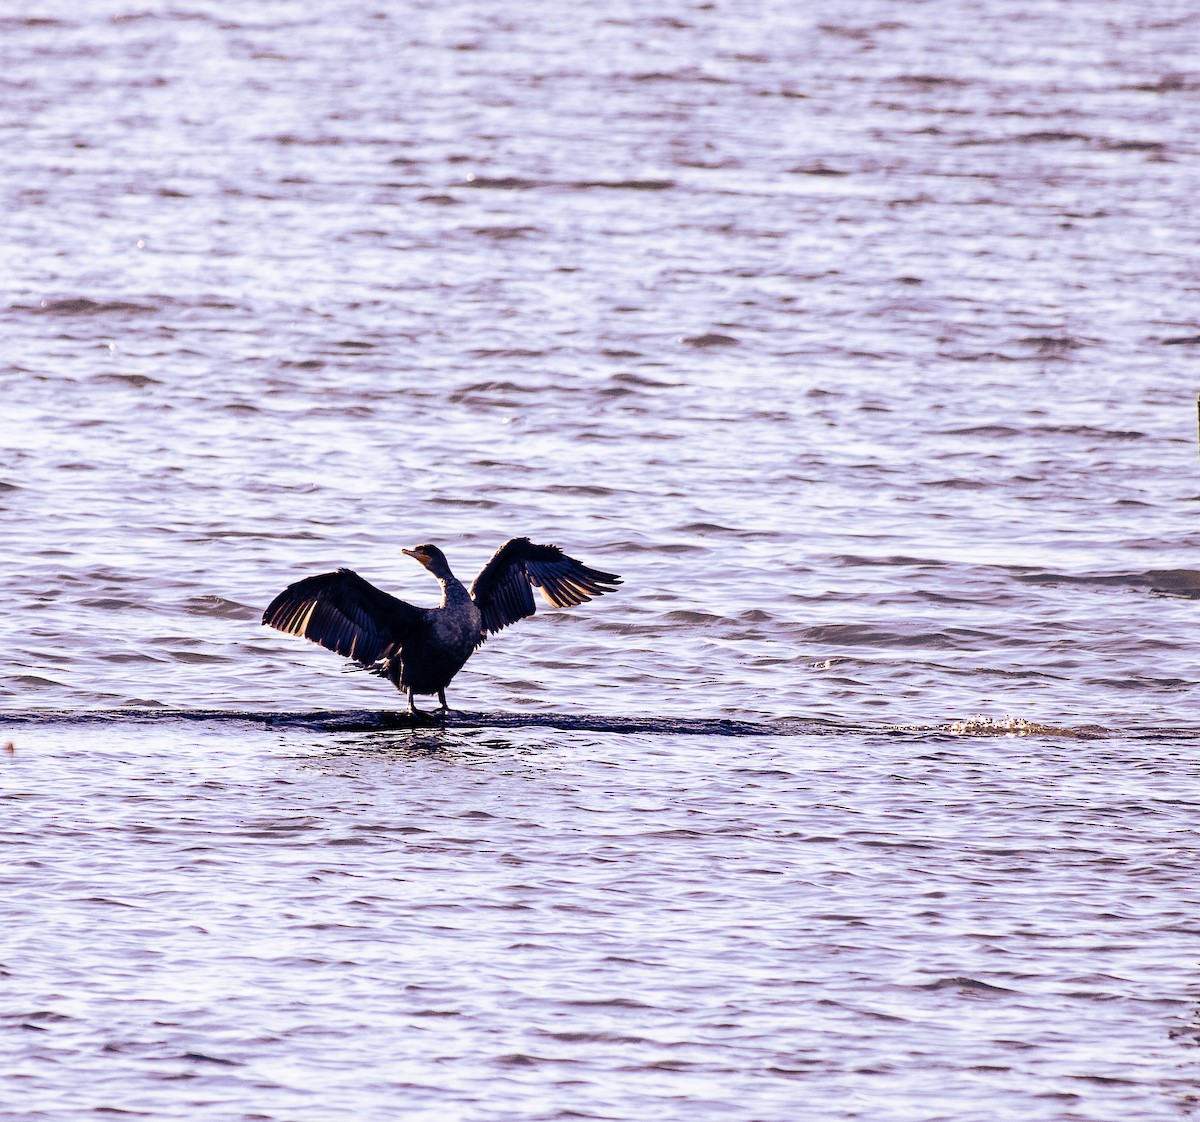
(503, 591)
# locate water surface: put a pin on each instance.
(859, 338)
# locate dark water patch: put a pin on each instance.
(711, 339)
(687, 75)
(597, 1037)
(111, 604)
(198, 658)
(1051, 136)
(505, 233)
(870, 635)
(489, 393)
(623, 184)
(1095, 431)
(375, 720)
(218, 608)
(263, 535)
(378, 720)
(17, 23)
(205, 1058)
(1172, 83)
(502, 182)
(510, 352)
(582, 491)
(82, 306)
(123, 657)
(1167, 582)
(930, 81)
(958, 484)
(640, 381)
(1153, 146)
(899, 560)
(137, 381)
(669, 547)
(475, 504)
(817, 170)
(1050, 344)
(997, 431)
(967, 987)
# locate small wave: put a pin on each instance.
(198, 658)
(607, 1003)
(218, 608)
(957, 484)
(624, 184)
(138, 381)
(1089, 430)
(82, 306)
(657, 547)
(598, 1037)
(488, 392)
(869, 635)
(854, 560)
(930, 81)
(1164, 582)
(695, 618)
(983, 430)
(502, 182)
(1019, 726)
(110, 604)
(1052, 342)
(642, 382)
(962, 983)
(687, 74)
(504, 233)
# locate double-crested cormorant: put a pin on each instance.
(419, 650)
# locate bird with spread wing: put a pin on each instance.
(419, 650)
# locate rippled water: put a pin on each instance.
(859, 338)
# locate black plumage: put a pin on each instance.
(420, 650)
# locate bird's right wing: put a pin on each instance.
(345, 613)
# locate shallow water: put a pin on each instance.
(859, 338)
(488, 925)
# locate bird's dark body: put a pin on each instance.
(441, 643)
(420, 650)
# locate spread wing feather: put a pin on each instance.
(345, 613)
(503, 591)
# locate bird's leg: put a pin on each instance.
(413, 711)
(443, 708)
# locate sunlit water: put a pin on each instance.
(859, 338)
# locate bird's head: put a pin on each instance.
(430, 556)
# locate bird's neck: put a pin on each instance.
(453, 591)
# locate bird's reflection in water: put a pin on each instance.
(449, 745)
